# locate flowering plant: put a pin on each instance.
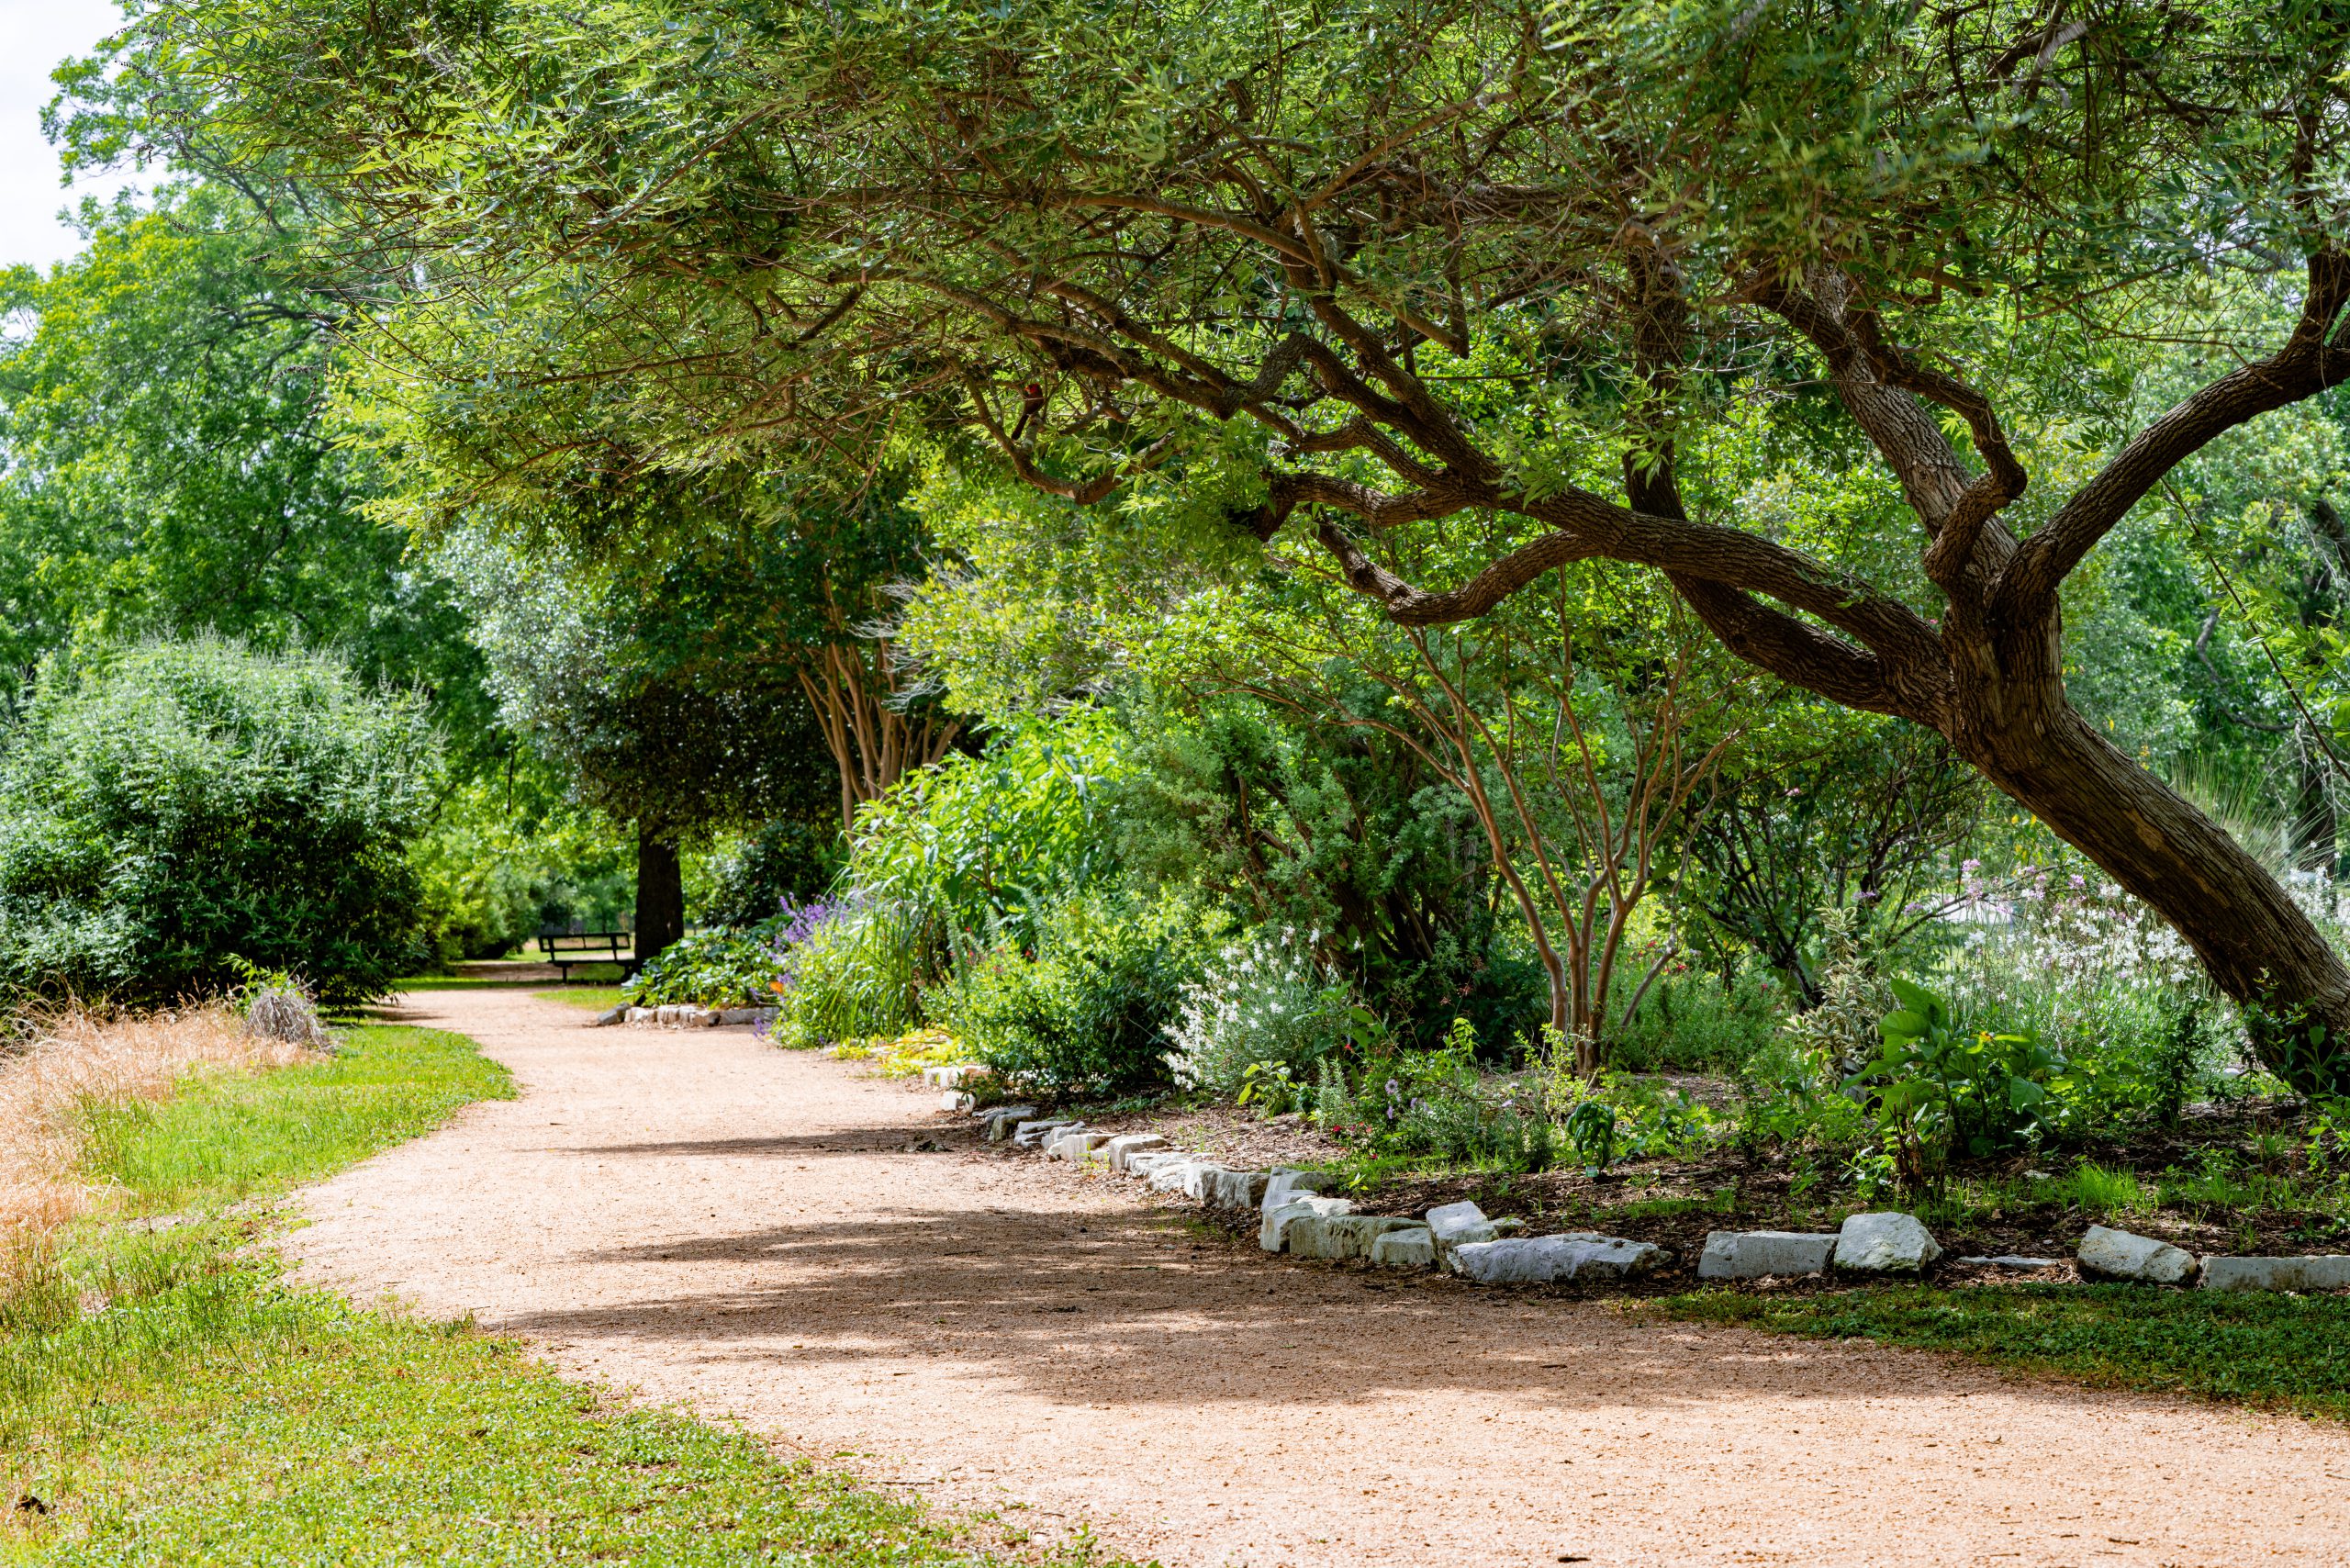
(1264, 1002)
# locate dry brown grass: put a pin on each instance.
(81, 1057)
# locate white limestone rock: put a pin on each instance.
(2319, 1273)
(1286, 1184)
(1074, 1145)
(1884, 1243)
(1036, 1133)
(1272, 1232)
(1758, 1254)
(956, 1100)
(1171, 1176)
(1118, 1148)
(1200, 1179)
(1412, 1247)
(1545, 1259)
(1338, 1237)
(1238, 1189)
(1144, 1166)
(1005, 1120)
(2119, 1255)
(1458, 1225)
(610, 1016)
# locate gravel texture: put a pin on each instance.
(777, 1237)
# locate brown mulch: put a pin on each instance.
(1672, 1203)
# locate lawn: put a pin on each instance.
(596, 998)
(170, 1398)
(2279, 1352)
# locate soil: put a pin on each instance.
(767, 1236)
(1673, 1203)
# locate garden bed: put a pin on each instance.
(2230, 1179)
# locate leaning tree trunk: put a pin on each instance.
(2261, 950)
(660, 894)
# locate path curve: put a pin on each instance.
(746, 1231)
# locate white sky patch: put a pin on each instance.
(35, 35)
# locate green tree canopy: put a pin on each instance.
(1543, 277)
(162, 417)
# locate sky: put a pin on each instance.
(34, 36)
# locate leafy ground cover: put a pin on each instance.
(167, 1397)
(2283, 1351)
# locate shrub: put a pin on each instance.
(853, 970)
(713, 968)
(1690, 1022)
(970, 850)
(169, 809)
(1263, 1003)
(1087, 1011)
(1941, 1086)
(1440, 1104)
(765, 871)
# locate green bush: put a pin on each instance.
(724, 967)
(1690, 1022)
(169, 809)
(749, 880)
(970, 851)
(1087, 1009)
(1440, 1105)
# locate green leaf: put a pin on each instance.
(1918, 998)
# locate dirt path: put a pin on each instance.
(746, 1231)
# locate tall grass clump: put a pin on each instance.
(72, 1064)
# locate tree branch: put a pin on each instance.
(2308, 363)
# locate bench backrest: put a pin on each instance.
(554, 942)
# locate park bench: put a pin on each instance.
(564, 947)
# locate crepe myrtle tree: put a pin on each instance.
(1673, 287)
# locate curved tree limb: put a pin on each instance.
(2308, 363)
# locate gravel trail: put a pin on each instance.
(758, 1234)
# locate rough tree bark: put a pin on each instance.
(660, 893)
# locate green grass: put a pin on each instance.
(221, 1139)
(2283, 1351)
(595, 997)
(173, 1400)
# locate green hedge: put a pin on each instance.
(170, 809)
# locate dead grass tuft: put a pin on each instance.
(79, 1057)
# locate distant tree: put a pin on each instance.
(646, 689)
(163, 414)
(170, 808)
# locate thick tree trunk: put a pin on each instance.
(2259, 947)
(660, 894)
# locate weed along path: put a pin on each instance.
(762, 1234)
